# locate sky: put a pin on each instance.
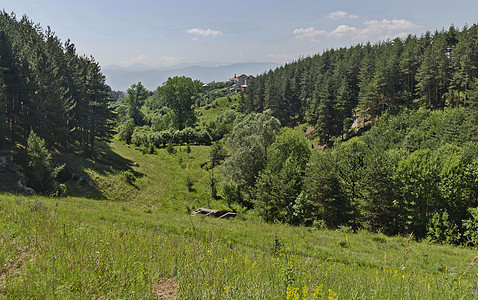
(161, 33)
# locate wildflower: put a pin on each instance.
(317, 292)
(332, 295)
(305, 292)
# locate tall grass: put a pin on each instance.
(78, 248)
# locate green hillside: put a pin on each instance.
(79, 248)
(136, 240)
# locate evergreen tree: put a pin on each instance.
(41, 174)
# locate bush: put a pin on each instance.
(217, 153)
(125, 131)
(141, 136)
(470, 227)
(441, 230)
(189, 135)
(190, 183)
(60, 191)
(170, 147)
(203, 137)
(41, 174)
(231, 194)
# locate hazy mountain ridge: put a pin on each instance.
(120, 78)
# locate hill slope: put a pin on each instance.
(141, 242)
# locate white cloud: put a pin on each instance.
(375, 29)
(343, 30)
(340, 14)
(309, 32)
(371, 30)
(204, 32)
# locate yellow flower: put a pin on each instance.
(332, 295)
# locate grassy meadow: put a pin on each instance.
(115, 238)
(79, 248)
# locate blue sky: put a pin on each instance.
(162, 33)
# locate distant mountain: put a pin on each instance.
(121, 78)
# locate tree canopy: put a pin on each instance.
(45, 86)
(178, 93)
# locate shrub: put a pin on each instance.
(441, 230)
(189, 135)
(470, 227)
(203, 137)
(125, 131)
(141, 136)
(190, 183)
(41, 174)
(170, 147)
(230, 193)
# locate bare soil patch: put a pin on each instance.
(166, 289)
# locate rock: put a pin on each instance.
(6, 162)
(28, 190)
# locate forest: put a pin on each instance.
(47, 88)
(333, 89)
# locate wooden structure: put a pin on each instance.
(213, 213)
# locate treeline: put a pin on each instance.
(167, 116)
(331, 89)
(45, 86)
(416, 171)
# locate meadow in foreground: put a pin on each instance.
(79, 248)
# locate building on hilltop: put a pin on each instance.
(240, 82)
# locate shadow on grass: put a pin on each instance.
(103, 161)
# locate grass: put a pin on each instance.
(130, 237)
(221, 105)
(160, 180)
(80, 248)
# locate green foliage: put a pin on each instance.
(162, 121)
(170, 147)
(231, 193)
(125, 130)
(280, 183)
(213, 181)
(217, 153)
(49, 88)
(470, 226)
(41, 174)
(178, 93)
(137, 95)
(322, 187)
(248, 142)
(222, 125)
(189, 183)
(141, 136)
(441, 230)
(332, 89)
